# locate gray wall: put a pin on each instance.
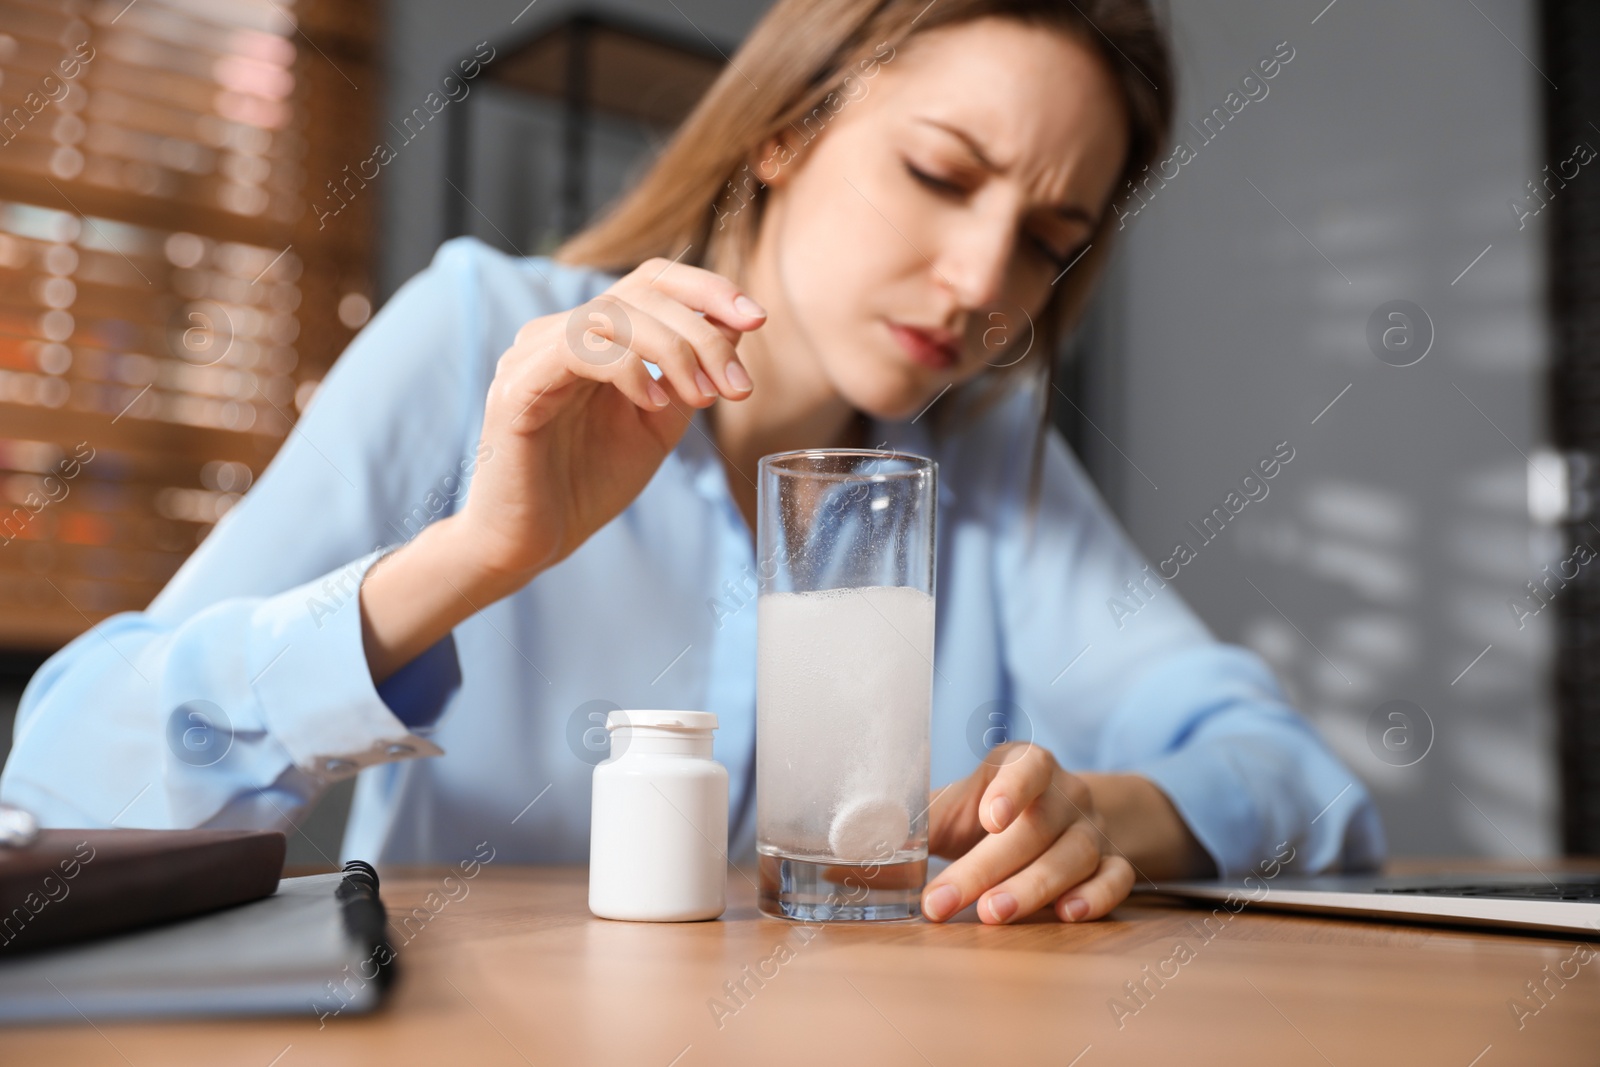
(1377, 168)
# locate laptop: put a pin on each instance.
(1563, 902)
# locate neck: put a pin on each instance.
(789, 408)
(792, 404)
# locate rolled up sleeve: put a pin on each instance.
(1211, 729)
(311, 681)
(244, 688)
(1156, 694)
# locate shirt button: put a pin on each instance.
(339, 766)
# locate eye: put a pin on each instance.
(1049, 252)
(938, 185)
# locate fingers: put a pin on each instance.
(528, 382)
(967, 810)
(1040, 828)
(707, 360)
(727, 331)
(1020, 780)
(953, 826)
(648, 338)
(532, 382)
(1036, 842)
(1073, 857)
(1096, 897)
(702, 290)
(681, 318)
(609, 339)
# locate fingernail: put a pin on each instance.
(745, 306)
(1000, 812)
(704, 383)
(658, 396)
(941, 902)
(1002, 906)
(737, 376)
(1077, 909)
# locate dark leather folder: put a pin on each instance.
(73, 885)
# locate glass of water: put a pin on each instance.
(844, 689)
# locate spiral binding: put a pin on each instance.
(359, 869)
(365, 918)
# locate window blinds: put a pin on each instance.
(167, 300)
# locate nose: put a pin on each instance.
(976, 258)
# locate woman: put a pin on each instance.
(843, 246)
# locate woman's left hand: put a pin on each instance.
(1023, 835)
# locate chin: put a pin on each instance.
(885, 390)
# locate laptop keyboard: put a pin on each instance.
(1585, 891)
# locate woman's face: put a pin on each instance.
(914, 238)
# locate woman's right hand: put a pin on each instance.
(575, 426)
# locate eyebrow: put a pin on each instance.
(1065, 211)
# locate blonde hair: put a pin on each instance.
(790, 73)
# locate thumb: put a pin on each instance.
(953, 825)
(727, 331)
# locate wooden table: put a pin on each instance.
(515, 971)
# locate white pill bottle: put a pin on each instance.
(658, 829)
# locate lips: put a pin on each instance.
(936, 349)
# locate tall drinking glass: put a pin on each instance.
(844, 689)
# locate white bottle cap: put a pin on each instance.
(681, 720)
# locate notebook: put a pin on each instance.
(72, 885)
(315, 947)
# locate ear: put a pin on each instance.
(775, 159)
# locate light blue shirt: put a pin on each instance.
(491, 735)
